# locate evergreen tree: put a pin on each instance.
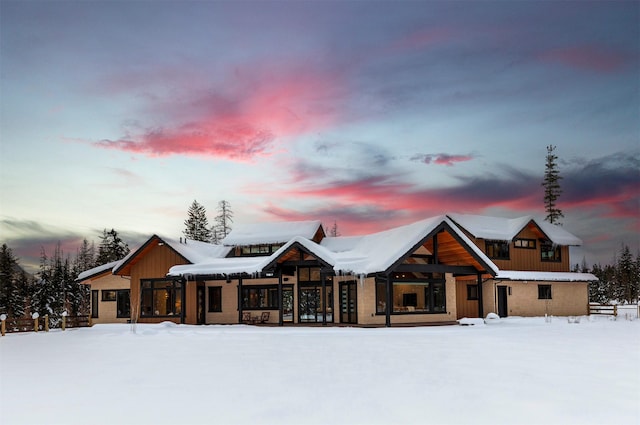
(552, 189)
(23, 293)
(111, 248)
(598, 290)
(333, 232)
(223, 220)
(86, 257)
(8, 281)
(197, 225)
(626, 276)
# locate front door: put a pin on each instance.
(348, 302)
(502, 301)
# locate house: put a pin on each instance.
(434, 271)
(110, 294)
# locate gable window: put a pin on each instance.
(161, 298)
(544, 292)
(550, 252)
(497, 249)
(215, 299)
(472, 292)
(525, 243)
(259, 250)
(123, 303)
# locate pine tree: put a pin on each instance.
(111, 248)
(86, 257)
(197, 225)
(552, 189)
(8, 284)
(333, 232)
(626, 276)
(223, 220)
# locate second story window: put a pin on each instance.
(550, 252)
(497, 249)
(525, 243)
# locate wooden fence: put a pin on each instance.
(607, 309)
(42, 324)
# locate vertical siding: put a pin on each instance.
(153, 264)
(465, 308)
(528, 259)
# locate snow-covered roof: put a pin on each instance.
(505, 229)
(271, 233)
(366, 254)
(545, 276)
(97, 270)
(192, 251)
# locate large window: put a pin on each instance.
(259, 250)
(497, 249)
(123, 303)
(260, 297)
(472, 292)
(544, 292)
(550, 252)
(108, 295)
(215, 299)
(424, 297)
(161, 298)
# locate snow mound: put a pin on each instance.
(492, 319)
(466, 321)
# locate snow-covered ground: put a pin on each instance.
(518, 370)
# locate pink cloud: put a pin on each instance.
(240, 120)
(442, 158)
(588, 57)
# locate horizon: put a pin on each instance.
(371, 115)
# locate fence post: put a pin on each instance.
(46, 323)
(615, 310)
(64, 321)
(3, 326)
(35, 323)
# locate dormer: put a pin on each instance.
(263, 239)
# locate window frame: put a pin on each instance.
(211, 291)
(472, 292)
(530, 243)
(550, 253)
(271, 296)
(545, 292)
(108, 295)
(430, 294)
(177, 292)
(502, 248)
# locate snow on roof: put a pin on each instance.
(196, 251)
(506, 229)
(221, 266)
(546, 276)
(97, 270)
(192, 251)
(271, 233)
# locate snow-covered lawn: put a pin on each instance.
(515, 371)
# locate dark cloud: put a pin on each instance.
(441, 158)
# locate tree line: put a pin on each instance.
(54, 289)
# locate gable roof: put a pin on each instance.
(365, 255)
(271, 233)
(192, 251)
(97, 271)
(505, 229)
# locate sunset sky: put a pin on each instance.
(119, 114)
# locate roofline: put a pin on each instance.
(133, 255)
(440, 227)
(94, 275)
(300, 246)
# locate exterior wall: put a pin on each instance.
(153, 265)
(567, 298)
(107, 310)
(528, 259)
(465, 307)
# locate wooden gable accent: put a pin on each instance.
(450, 254)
